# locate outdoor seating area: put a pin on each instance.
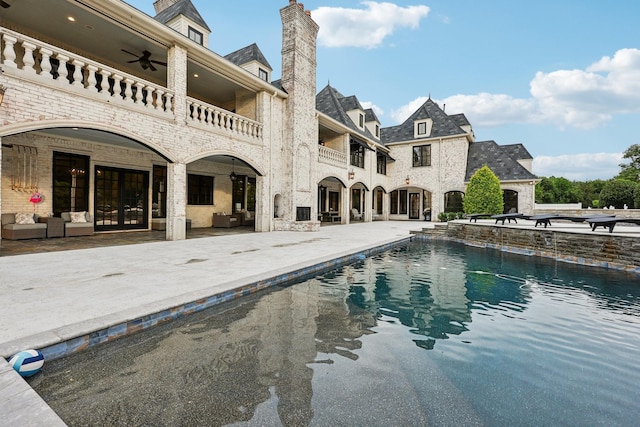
(22, 225)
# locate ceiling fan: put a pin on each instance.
(144, 60)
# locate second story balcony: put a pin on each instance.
(109, 52)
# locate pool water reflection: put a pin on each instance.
(425, 334)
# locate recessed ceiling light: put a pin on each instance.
(71, 18)
(196, 75)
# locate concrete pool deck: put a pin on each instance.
(49, 297)
(53, 296)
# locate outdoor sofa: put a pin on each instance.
(77, 224)
(22, 225)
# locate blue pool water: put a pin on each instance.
(424, 334)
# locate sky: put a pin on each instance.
(562, 77)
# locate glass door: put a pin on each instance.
(121, 199)
(414, 205)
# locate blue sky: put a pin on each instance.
(561, 77)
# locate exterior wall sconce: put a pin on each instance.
(2, 90)
(407, 180)
(233, 176)
(352, 174)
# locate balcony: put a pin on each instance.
(46, 65)
(331, 156)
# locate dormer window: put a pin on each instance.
(195, 35)
(422, 128)
(377, 131)
(361, 121)
(263, 74)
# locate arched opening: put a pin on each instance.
(330, 200)
(453, 201)
(510, 199)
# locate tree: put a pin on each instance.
(556, 190)
(589, 192)
(636, 197)
(484, 194)
(631, 171)
(617, 193)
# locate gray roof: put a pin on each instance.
(499, 159)
(370, 116)
(443, 125)
(517, 151)
(181, 7)
(332, 103)
(248, 54)
(460, 119)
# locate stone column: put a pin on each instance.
(176, 201)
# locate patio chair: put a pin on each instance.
(356, 215)
(77, 224)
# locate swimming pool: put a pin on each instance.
(424, 334)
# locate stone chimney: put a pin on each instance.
(161, 5)
(300, 136)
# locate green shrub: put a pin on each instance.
(617, 193)
(442, 217)
(484, 194)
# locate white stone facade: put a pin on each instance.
(59, 99)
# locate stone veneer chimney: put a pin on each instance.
(300, 136)
(160, 5)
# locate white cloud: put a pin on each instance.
(403, 113)
(368, 27)
(379, 111)
(577, 98)
(579, 167)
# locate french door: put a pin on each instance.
(121, 199)
(414, 205)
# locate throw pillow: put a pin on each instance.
(24, 218)
(78, 217)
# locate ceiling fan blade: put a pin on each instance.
(164, 64)
(4, 4)
(126, 51)
(152, 67)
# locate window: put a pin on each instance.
(200, 190)
(394, 202)
(361, 121)
(422, 128)
(357, 154)
(263, 74)
(421, 155)
(402, 209)
(381, 164)
(377, 131)
(195, 35)
(70, 183)
(159, 198)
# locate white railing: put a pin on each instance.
(331, 156)
(221, 119)
(34, 57)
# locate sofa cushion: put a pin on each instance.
(78, 217)
(24, 218)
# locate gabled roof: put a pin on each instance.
(499, 159)
(443, 125)
(332, 103)
(351, 103)
(181, 7)
(370, 116)
(460, 119)
(248, 54)
(517, 151)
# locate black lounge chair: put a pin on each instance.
(610, 222)
(546, 218)
(508, 216)
(475, 216)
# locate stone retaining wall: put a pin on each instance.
(608, 251)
